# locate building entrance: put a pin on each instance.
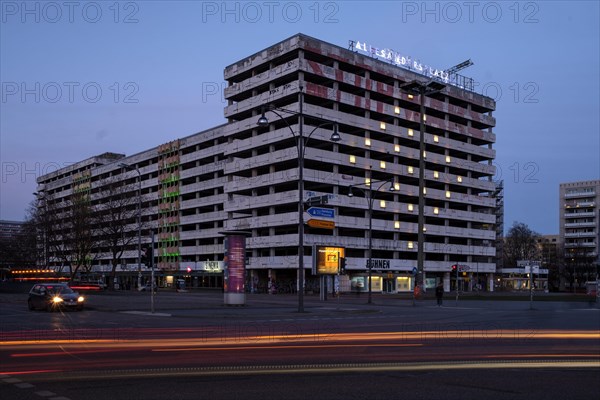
(389, 285)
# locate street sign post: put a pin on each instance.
(317, 200)
(320, 212)
(321, 224)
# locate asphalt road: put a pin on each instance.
(194, 347)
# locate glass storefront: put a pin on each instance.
(382, 283)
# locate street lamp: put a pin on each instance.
(300, 145)
(370, 199)
(139, 216)
(421, 89)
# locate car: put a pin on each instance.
(54, 296)
(87, 286)
(146, 288)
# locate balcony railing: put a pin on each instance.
(580, 234)
(580, 194)
(580, 214)
(580, 224)
(575, 245)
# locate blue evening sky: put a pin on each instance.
(82, 78)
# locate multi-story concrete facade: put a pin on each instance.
(244, 177)
(9, 229)
(579, 224)
(9, 232)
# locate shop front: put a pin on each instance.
(392, 282)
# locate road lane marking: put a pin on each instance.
(45, 393)
(146, 313)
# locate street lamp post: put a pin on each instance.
(370, 199)
(421, 89)
(139, 220)
(300, 145)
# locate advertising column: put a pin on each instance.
(234, 269)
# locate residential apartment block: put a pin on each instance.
(579, 224)
(242, 176)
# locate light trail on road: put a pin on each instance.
(344, 347)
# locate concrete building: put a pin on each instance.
(579, 224)
(551, 254)
(9, 254)
(244, 177)
(10, 229)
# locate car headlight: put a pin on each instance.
(57, 299)
(80, 299)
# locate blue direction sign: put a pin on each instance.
(321, 212)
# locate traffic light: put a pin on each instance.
(455, 268)
(342, 265)
(189, 270)
(146, 257)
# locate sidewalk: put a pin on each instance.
(210, 303)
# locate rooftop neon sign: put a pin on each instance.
(401, 60)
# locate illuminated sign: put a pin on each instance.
(234, 264)
(378, 264)
(328, 259)
(401, 60)
(212, 266)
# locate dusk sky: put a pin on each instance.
(83, 78)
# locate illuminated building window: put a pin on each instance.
(397, 148)
(436, 210)
(397, 224)
(447, 194)
(411, 133)
(367, 142)
(382, 203)
(397, 110)
(411, 170)
(410, 207)
(353, 159)
(436, 174)
(382, 125)
(382, 164)
(448, 159)
(410, 245)
(436, 138)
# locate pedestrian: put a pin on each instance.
(439, 294)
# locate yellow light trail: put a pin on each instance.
(320, 338)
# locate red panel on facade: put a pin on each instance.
(316, 68)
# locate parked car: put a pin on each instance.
(53, 296)
(146, 288)
(87, 286)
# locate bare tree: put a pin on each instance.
(117, 223)
(68, 229)
(520, 244)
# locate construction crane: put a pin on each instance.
(458, 67)
(459, 80)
